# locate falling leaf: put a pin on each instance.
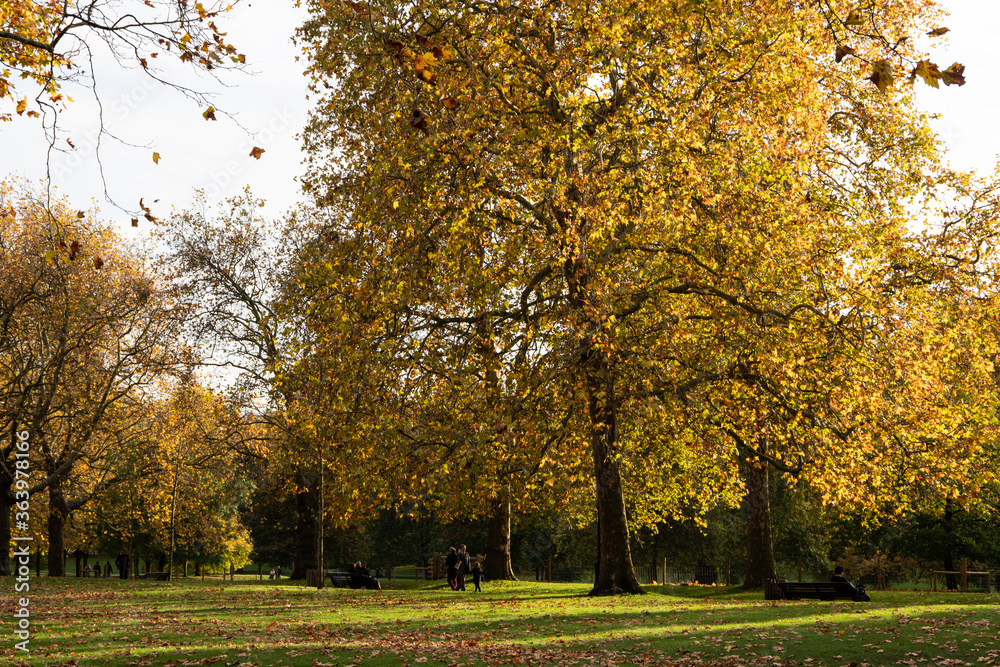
(853, 19)
(937, 32)
(418, 120)
(397, 48)
(209, 113)
(842, 52)
(882, 75)
(71, 145)
(927, 71)
(156, 158)
(74, 249)
(81, 214)
(450, 103)
(135, 222)
(424, 65)
(98, 263)
(256, 152)
(954, 75)
(21, 106)
(443, 52)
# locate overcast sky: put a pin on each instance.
(269, 102)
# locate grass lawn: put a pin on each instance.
(113, 622)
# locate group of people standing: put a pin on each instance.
(459, 567)
(97, 571)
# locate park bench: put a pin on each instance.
(156, 576)
(822, 590)
(353, 580)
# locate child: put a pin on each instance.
(477, 576)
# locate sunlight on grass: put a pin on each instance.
(251, 624)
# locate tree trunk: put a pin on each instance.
(947, 522)
(615, 571)
(305, 534)
(498, 563)
(5, 533)
(760, 551)
(57, 520)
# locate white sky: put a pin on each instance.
(270, 103)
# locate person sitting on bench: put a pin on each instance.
(838, 574)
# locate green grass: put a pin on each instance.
(113, 622)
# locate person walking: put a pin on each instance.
(451, 561)
(477, 576)
(462, 568)
(123, 562)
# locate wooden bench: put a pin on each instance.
(822, 590)
(156, 576)
(353, 580)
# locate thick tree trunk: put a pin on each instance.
(498, 563)
(760, 550)
(615, 571)
(305, 534)
(57, 520)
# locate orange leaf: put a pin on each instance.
(256, 152)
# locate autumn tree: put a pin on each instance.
(702, 208)
(188, 504)
(225, 268)
(86, 332)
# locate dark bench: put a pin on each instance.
(156, 576)
(354, 580)
(822, 590)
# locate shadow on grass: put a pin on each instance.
(178, 624)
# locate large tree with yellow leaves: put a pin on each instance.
(688, 225)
